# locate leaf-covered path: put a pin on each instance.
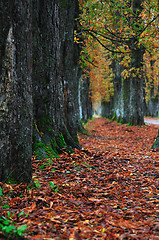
(108, 190)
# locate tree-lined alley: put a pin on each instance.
(125, 68)
(40, 84)
(44, 93)
(107, 190)
(59, 180)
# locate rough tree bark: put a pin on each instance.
(53, 23)
(137, 88)
(136, 78)
(15, 91)
(71, 70)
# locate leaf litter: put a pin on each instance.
(107, 190)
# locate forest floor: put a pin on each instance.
(107, 190)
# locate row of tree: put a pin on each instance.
(42, 98)
(128, 33)
(43, 95)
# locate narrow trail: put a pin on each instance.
(133, 172)
(108, 190)
(111, 135)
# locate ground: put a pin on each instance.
(107, 190)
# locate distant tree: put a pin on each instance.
(151, 73)
(125, 29)
(85, 99)
(15, 91)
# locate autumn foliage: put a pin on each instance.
(107, 190)
(112, 30)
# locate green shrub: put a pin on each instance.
(8, 227)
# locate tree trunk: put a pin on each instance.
(86, 103)
(107, 108)
(129, 92)
(16, 91)
(136, 78)
(71, 71)
(136, 88)
(51, 131)
(152, 106)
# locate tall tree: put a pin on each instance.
(85, 99)
(55, 76)
(136, 63)
(71, 70)
(122, 29)
(151, 71)
(49, 27)
(15, 91)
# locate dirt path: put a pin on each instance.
(107, 190)
(132, 170)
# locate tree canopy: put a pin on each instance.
(120, 27)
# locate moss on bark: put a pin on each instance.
(46, 144)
